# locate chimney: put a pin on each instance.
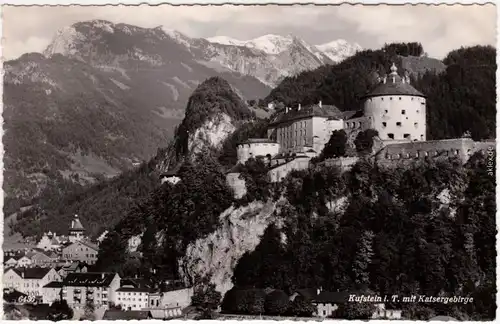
(286, 110)
(320, 104)
(299, 107)
(318, 291)
(102, 275)
(22, 274)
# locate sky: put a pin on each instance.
(440, 29)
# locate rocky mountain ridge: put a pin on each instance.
(101, 98)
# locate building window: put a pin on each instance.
(384, 124)
(422, 137)
(415, 124)
(390, 135)
(407, 136)
(403, 112)
(386, 111)
(390, 98)
(418, 111)
(398, 124)
(399, 98)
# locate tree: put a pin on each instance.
(336, 146)
(364, 141)
(89, 310)
(59, 311)
(363, 259)
(205, 298)
(277, 303)
(302, 307)
(354, 310)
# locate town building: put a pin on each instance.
(73, 267)
(132, 298)
(52, 292)
(49, 241)
(100, 288)
(327, 302)
(43, 259)
(166, 313)
(76, 231)
(29, 281)
(171, 176)
(81, 251)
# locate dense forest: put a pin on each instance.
(462, 98)
(393, 237)
(386, 230)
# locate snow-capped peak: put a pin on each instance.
(270, 44)
(225, 40)
(339, 49)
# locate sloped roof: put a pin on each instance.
(331, 297)
(89, 279)
(172, 172)
(90, 245)
(54, 284)
(308, 293)
(32, 273)
(394, 88)
(76, 225)
(113, 315)
(258, 140)
(134, 289)
(13, 296)
(327, 111)
(393, 84)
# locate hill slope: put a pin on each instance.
(103, 98)
(214, 110)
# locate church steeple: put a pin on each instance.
(76, 230)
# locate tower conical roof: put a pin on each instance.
(76, 225)
(393, 84)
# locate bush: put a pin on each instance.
(277, 303)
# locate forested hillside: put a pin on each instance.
(102, 205)
(426, 229)
(460, 98)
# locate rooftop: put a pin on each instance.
(76, 225)
(30, 273)
(393, 84)
(89, 279)
(54, 284)
(317, 110)
(258, 140)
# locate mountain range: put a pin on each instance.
(102, 97)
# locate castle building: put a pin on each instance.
(303, 129)
(76, 231)
(395, 109)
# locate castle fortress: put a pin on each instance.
(395, 109)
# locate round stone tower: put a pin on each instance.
(396, 109)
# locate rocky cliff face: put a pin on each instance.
(218, 253)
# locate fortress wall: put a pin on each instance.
(460, 147)
(276, 174)
(246, 151)
(344, 163)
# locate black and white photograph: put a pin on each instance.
(302, 162)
